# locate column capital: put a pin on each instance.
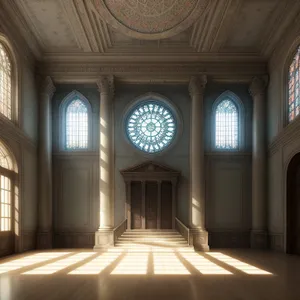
(47, 86)
(258, 86)
(197, 85)
(106, 85)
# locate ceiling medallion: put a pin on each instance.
(151, 19)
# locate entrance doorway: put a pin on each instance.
(150, 196)
(293, 206)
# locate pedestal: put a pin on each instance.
(199, 239)
(104, 239)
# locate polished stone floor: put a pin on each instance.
(150, 273)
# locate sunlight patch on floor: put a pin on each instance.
(97, 265)
(244, 267)
(29, 260)
(60, 265)
(168, 264)
(132, 264)
(203, 265)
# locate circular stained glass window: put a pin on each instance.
(151, 126)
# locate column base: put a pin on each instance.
(44, 240)
(104, 239)
(259, 239)
(199, 239)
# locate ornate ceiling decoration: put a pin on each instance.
(151, 19)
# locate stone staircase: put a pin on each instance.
(151, 239)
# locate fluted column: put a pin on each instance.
(197, 198)
(259, 165)
(44, 236)
(104, 236)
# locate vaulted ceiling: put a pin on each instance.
(151, 30)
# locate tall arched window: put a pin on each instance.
(226, 125)
(294, 87)
(6, 171)
(5, 83)
(77, 125)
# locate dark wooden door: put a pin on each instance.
(136, 205)
(151, 198)
(166, 205)
(293, 206)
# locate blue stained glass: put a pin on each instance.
(226, 134)
(151, 126)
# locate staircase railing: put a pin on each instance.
(183, 230)
(119, 230)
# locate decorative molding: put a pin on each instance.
(276, 241)
(47, 87)
(106, 85)
(197, 85)
(74, 239)
(144, 21)
(206, 29)
(258, 86)
(72, 13)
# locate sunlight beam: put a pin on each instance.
(29, 260)
(203, 265)
(97, 265)
(244, 267)
(60, 265)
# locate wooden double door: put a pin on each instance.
(151, 205)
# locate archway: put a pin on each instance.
(8, 206)
(293, 206)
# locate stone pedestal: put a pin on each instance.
(104, 238)
(199, 239)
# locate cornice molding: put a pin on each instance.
(154, 72)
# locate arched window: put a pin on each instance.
(226, 125)
(77, 125)
(5, 83)
(6, 168)
(294, 87)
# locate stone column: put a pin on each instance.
(104, 236)
(44, 236)
(259, 165)
(197, 193)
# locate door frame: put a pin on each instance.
(150, 172)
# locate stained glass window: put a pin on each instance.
(226, 125)
(5, 83)
(294, 86)
(151, 126)
(76, 125)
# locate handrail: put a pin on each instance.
(186, 229)
(119, 230)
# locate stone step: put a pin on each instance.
(143, 246)
(174, 239)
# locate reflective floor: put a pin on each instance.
(150, 273)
